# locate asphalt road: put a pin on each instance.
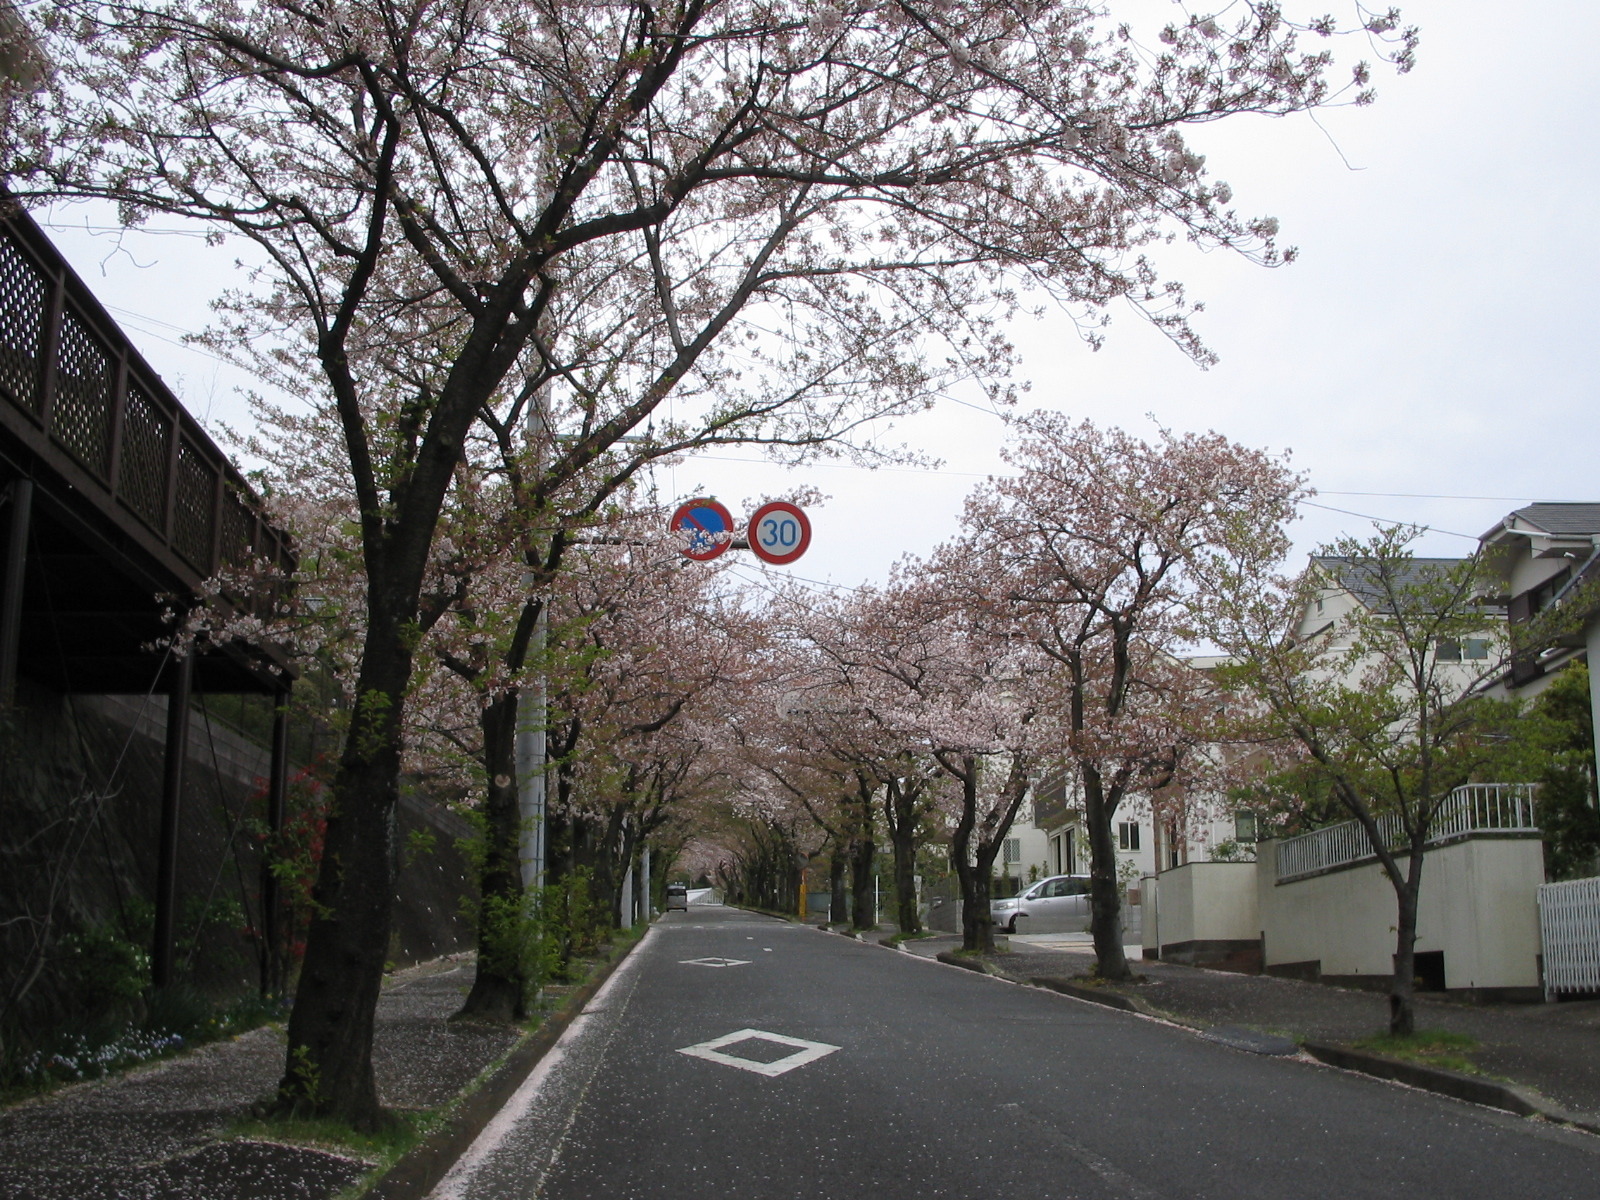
(908, 1079)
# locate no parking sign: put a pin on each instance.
(705, 528)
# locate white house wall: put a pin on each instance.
(1203, 912)
(1479, 905)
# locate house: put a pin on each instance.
(1058, 813)
(1318, 905)
(1542, 554)
(1025, 854)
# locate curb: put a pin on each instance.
(1133, 1004)
(420, 1169)
(1507, 1097)
(950, 959)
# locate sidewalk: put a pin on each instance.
(164, 1130)
(1553, 1050)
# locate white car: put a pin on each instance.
(1059, 904)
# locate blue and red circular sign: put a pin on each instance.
(705, 527)
(779, 532)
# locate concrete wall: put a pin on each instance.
(1204, 913)
(1479, 908)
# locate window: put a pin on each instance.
(1011, 851)
(1475, 648)
(1541, 597)
(1448, 650)
(1244, 828)
(1128, 835)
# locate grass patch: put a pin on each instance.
(1427, 1047)
(911, 937)
(399, 1134)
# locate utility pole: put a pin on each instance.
(644, 879)
(532, 746)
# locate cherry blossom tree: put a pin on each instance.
(819, 687)
(934, 676)
(763, 210)
(637, 729)
(1094, 550)
(807, 739)
(1372, 710)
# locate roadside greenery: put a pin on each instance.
(174, 1020)
(1426, 1047)
(1569, 807)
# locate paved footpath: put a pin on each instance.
(738, 1056)
(161, 1132)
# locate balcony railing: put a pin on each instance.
(1473, 809)
(76, 392)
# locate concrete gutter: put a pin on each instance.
(419, 1170)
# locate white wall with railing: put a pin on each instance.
(1476, 808)
(1478, 907)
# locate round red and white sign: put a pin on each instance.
(779, 532)
(704, 529)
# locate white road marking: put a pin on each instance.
(502, 1129)
(714, 962)
(805, 1052)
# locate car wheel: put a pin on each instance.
(1011, 925)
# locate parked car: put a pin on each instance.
(677, 896)
(1059, 904)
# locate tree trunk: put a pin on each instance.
(1105, 922)
(900, 815)
(977, 926)
(838, 896)
(328, 1070)
(1402, 990)
(500, 985)
(862, 855)
(904, 841)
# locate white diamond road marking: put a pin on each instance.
(805, 1052)
(714, 962)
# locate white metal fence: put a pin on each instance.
(1569, 928)
(1474, 808)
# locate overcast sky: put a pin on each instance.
(1431, 358)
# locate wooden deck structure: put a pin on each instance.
(113, 504)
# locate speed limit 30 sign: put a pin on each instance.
(779, 532)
